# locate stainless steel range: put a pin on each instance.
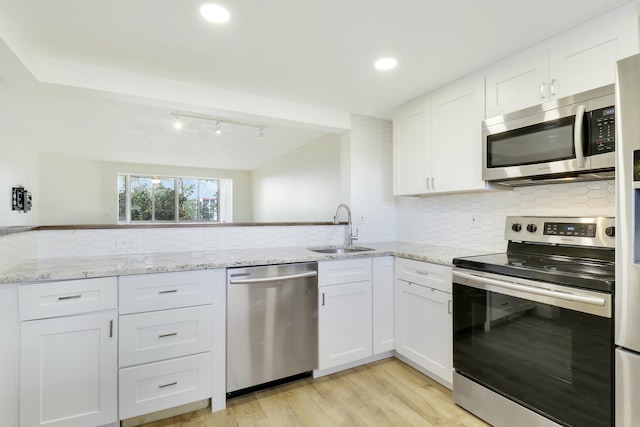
(533, 327)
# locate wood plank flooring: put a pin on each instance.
(384, 393)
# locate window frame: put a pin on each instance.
(224, 199)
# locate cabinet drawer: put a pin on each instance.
(149, 292)
(160, 335)
(161, 385)
(344, 271)
(423, 273)
(55, 299)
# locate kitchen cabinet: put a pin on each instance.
(382, 284)
(344, 311)
(577, 60)
(423, 318)
(456, 148)
(166, 341)
(412, 148)
(9, 355)
(68, 363)
(436, 141)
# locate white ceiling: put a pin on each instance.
(300, 66)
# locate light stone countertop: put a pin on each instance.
(119, 265)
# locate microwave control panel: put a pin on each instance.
(603, 131)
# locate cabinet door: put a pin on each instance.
(68, 371)
(344, 324)
(587, 62)
(383, 304)
(458, 111)
(411, 149)
(424, 328)
(517, 83)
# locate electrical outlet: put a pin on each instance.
(126, 243)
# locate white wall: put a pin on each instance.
(18, 167)
(303, 185)
(76, 191)
(71, 191)
(372, 202)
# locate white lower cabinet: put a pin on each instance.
(383, 334)
(423, 317)
(166, 341)
(156, 386)
(68, 364)
(344, 312)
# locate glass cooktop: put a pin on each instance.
(587, 268)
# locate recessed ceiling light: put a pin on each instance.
(386, 64)
(214, 13)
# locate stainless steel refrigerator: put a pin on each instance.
(627, 293)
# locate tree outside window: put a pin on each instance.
(155, 199)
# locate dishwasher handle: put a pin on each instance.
(273, 278)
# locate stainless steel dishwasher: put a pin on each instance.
(272, 325)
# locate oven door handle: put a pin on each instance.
(533, 290)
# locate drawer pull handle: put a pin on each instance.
(172, 334)
(69, 297)
(423, 273)
(172, 291)
(110, 328)
(168, 385)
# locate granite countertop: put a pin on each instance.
(118, 265)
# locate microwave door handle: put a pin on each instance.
(577, 136)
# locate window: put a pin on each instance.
(173, 199)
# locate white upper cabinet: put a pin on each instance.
(412, 148)
(517, 83)
(456, 144)
(437, 140)
(577, 60)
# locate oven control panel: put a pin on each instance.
(569, 229)
(596, 231)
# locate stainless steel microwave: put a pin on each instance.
(568, 139)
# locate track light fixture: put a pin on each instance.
(178, 123)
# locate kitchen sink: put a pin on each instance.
(339, 249)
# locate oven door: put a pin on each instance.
(546, 347)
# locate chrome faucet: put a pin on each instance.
(350, 236)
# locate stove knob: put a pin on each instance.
(610, 231)
(532, 228)
(516, 227)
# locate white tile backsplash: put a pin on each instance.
(477, 220)
(474, 220)
(23, 247)
(371, 179)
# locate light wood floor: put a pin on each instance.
(384, 393)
